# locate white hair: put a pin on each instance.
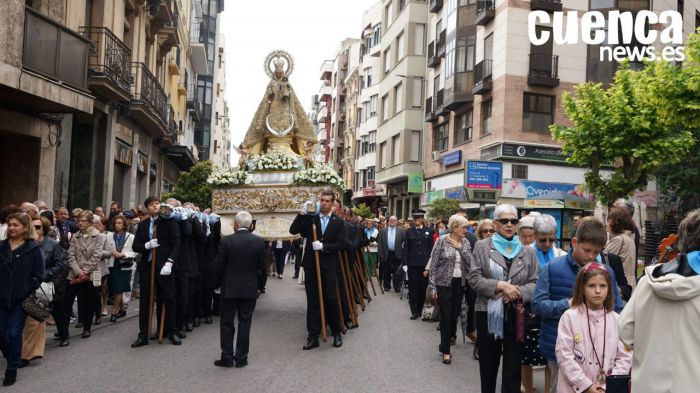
(175, 202)
(504, 208)
(527, 222)
(456, 221)
(243, 219)
(96, 219)
(545, 224)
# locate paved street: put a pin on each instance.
(388, 353)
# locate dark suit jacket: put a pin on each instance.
(352, 241)
(333, 239)
(184, 265)
(384, 243)
(417, 246)
(239, 262)
(168, 234)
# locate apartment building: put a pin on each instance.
(221, 138)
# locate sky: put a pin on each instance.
(310, 30)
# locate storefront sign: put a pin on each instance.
(516, 188)
(484, 174)
(452, 158)
(544, 204)
(368, 191)
(415, 182)
(123, 152)
(432, 196)
(535, 153)
(457, 193)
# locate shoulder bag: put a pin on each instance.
(126, 262)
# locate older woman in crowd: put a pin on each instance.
(55, 271)
(21, 273)
(526, 229)
(449, 264)
(84, 257)
(503, 272)
(485, 229)
(120, 272)
(107, 261)
(4, 214)
(620, 229)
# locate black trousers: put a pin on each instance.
(61, 312)
(262, 279)
(181, 298)
(470, 297)
(193, 291)
(297, 262)
(490, 351)
(450, 301)
(87, 299)
(280, 253)
(206, 295)
(165, 296)
(313, 304)
(387, 268)
(417, 284)
(229, 310)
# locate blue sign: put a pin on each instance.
(452, 158)
(538, 188)
(484, 174)
(457, 193)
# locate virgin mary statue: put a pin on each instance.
(280, 123)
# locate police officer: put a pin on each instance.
(417, 248)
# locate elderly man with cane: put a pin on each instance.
(158, 241)
(325, 234)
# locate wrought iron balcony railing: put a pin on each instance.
(109, 56)
(146, 89)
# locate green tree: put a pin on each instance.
(363, 211)
(443, 208)
(192, 185)
(629, 124)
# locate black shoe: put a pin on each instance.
(98, 320)
(65, 343)
(86, 334)
(348, 325)
(197, 323)
(311, 343)
(56, 336)
(387, 289)
(174, 339)
(140, 342)
(295, 277)
(241, 363)
(414, 317)
(23, 363)
(208, 320)
(188, 328)
(180, 334)
(223, 363)
(446, 359)
(337, 340)
(10, 378)
(154, 336)
(121, 314)
(113, 318)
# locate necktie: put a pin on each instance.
(150, 233)
(324, 224)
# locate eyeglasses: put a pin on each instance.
(488, 230)
(37, 227)
(505, 221)
(547, 240)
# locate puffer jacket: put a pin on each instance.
(21, 271)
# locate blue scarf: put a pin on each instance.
(119, 240)
(543, 258)
(508, 248)
(494, 307)
(694, 261)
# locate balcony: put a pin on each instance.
(440, 44)
(164, 22)
(439, 103)
(322, 114)
(171, 132)
(435, 5)
(544, 70)
(109, 74)
(193, 103)
(429, 110)
(149, 105)
(485, 12)
(433, 61)
(325, 91)
(545, 5)
(198, 52)
(458, 90)
(181, 156)
(482, 77)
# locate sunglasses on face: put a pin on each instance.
(488, 230)
(547, 240)
(37, 226)
(505, 221)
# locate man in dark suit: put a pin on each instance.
(390, 242)
(416, 251)
(183, 269)
(159, 236)
(330, 235)
(241, 258)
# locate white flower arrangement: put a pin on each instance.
(319, 174)
(273, 161)
(228, 177)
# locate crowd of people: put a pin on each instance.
(582, 314)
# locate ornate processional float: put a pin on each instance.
(276, 172)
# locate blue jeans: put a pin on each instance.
(11, 327)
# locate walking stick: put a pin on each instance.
(357, 292)
(151, 293)
(344, 280)
(363, 284)
(162, 324)
(376, 275)
(367, 272)
(341, 319)
(318, 281)
(364, 274)
(350, 290)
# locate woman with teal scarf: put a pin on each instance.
(503, 272)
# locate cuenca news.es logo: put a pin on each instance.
(628, 36)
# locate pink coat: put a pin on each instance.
(578, 368)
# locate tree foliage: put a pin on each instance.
(635, 124)
(363, 211)
(443, 208)
(192, 185)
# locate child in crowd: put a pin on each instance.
(588, 348)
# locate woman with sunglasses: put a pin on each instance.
(55, 270)
(485, 229)
(503, 272)
(21, 273)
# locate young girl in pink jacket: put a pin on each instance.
(588, 348)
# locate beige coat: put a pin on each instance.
(661, 323)
(85, 253)
(623, 246)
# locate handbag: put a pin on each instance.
(45, 292)
(519, 322)
(617, 384)
(430, 311)
(125, 263)
(37, 308)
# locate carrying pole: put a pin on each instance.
(318, 281)
(151, 293)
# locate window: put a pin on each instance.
(398, 98)
(463, 127)
(419, 39)
(372, 147)
(680, 7)
(357, 149)
(441, 137)
(415, 146)
(402, 4)
(417, 93)
(388, 13)
(370, 173)
(373, 105)
(486, 126)
(377, 33)
(387, 60)
(368, 76)
(450, 59)
(538, 112)
(697, 19)
(359, 115)
(519, 171)
(383, 154)
(400, 50)
(385, 108)
(396, 150)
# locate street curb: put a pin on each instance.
(79, 332)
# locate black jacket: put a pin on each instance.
(55, 262)
(417, 246)
(168, 234)
(352, 238)
(615, 263)
(184, 263)
(21, 271)
(333, 239)
(212, 246)
(239, 262)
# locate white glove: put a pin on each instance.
(167, 269)
(317, 245)
(151, 244)
(305, 208)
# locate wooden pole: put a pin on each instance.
(162, 324)
(368, 274)
(151, 293)
(355, 283)
(318, 282)
(344, 279)
(363, 275)
(341, 319)
(376, 274)
(363, 284)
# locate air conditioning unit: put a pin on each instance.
(436, 156)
